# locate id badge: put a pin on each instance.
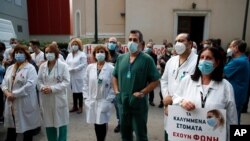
(129, 74)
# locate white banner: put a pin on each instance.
(201, 124)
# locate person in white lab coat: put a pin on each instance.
(77, 62)
(98, 88)
(53, 80)
(176, 69)
(38, 55)
(21, 114)
(206, 88)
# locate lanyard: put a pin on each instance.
(203, 100)
(130, 66)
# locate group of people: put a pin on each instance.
(188, 78)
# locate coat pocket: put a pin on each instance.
(28, 107)
(61, 100)
(105, 106)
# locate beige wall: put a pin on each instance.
(155, 18)
(110, 22)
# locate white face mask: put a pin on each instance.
(13, 45)
(50, 56)
(30, 49)
(75, 47)
(180, 48)
(229, 52)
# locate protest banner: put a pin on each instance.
(201, 124)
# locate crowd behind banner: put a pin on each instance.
(191, 76)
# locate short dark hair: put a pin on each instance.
(107, 54)
(35, 42)
(13, 40)
(188, 37)
(139, 32)
(217, 74)
(242, 45)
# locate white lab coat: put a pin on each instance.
(26, 108)
(77, 67)
(54, 105)
(174, 73)
(39, 58)
(220, 96)
(99, 95)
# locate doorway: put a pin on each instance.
(193, 25)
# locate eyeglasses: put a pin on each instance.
(133, 39)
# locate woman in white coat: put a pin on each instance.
(21, 114)
(77, 62)
(53, 80)
(206, 88)
(98, 88)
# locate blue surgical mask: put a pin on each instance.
(111, 46)
(100, 57)
(147, 50)
(132, 47)
(212, 121)
(206, 67)
(50, 56)
(19, 57)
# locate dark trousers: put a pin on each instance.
(151, 96)
(117, 110)
(166, 135)
(161, 96)
(77, 99)
(27, 135)
(101, 131)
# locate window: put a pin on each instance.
(18, 2)
(19, 28)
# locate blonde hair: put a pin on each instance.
(78, 41)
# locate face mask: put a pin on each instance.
(180, 48)
(13, 45)
(50, 56)
(75, 48)
(19, 57)
(100, 57)
(229, 52)
(30, 49)
(206, 67)
(132, 47)
(111, 46)
(212, 122)
(147, 50)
